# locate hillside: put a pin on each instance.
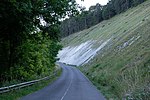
(115, 54)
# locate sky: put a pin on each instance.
(88, 3)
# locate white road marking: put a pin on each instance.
(67, 90)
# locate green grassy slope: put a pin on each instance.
(122, 68)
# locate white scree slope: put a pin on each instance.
(80, 54)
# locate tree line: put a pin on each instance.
(28, 48)
(95, 15)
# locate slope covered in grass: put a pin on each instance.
(121, 67)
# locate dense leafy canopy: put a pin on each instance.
(28, 47)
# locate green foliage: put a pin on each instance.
(24, 51)
(95, 15)
(36, 58)
(119, 71)
(17, 94)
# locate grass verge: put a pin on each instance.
(17, 94)
(120, 70)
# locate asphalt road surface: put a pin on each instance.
(71, 85)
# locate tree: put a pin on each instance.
(136, 2)
(96, 14)
(108, 10)
(19, 19)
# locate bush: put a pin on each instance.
(37, 58)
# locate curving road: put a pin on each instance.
(72, 85)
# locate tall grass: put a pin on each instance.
(133, 83)
(120, 71)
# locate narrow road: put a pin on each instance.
(71, 85)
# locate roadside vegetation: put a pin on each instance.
(121, 69)
(29, 37)
(17, 94)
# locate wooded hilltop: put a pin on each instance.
(95, 15)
